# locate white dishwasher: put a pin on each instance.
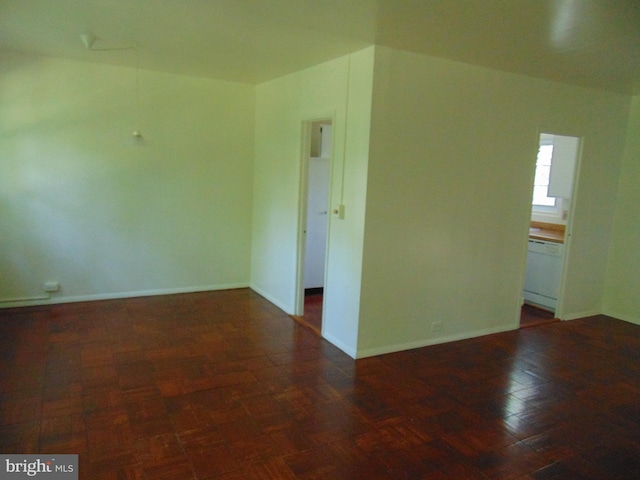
(544, 268)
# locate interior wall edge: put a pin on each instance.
(288, 309)
(336, 342)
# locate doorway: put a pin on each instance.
(315, 185)
(549, 232)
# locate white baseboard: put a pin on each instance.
(52, 300)
(370, 352)
(288, 309)
(576, 316)
(623, 317)
(341, 345)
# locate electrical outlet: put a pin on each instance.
(51, 286)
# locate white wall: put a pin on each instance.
(446, 187)
(452, 157)
(282, 105)
(104, 219)
(622, 294)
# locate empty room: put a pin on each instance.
(478, 165)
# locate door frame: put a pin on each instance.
(568, 233)
(303, 190)
(559, 310)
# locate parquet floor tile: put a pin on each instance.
(225, 386)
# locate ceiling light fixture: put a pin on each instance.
(137, 137)
(89, 40)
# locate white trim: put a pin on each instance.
(371, 352)
(341, 345)
(24, 299)
(285, 308)
(566, 256)
(576, 316)
(303, 192)
(303, 187)
(120, 295)
(621, 316)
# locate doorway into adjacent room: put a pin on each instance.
(315, 187)
(549, 231)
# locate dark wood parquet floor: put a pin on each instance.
(312, 317)
(531, 316)
(223, 385)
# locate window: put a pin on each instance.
(541, 196)
(553, 182)
(542, 202)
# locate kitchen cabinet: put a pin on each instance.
(544, 269)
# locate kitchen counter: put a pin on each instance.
(549, 232)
